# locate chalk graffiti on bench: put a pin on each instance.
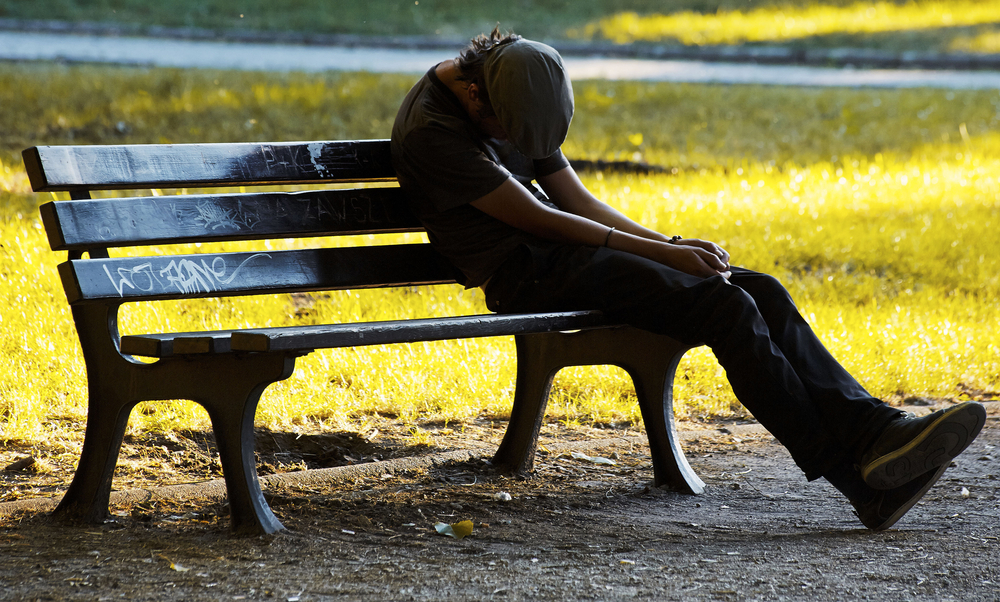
(213, 217)
(185, 275)
(333, 209)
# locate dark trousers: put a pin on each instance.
(778, 368)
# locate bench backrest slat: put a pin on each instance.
(68, 168)
(80, 225)
(229, 274)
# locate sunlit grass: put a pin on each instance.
(988, 42)
(894, 267)
(878, 209)
(697, 126)
(891, 264)
(777, 24)
(894, 25)
(53, 104)
(675, 125)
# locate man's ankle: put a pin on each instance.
(846, 478)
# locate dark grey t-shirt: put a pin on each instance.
(444, 164)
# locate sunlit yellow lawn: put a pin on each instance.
(878, 209)
(781, 24)
(893, 25)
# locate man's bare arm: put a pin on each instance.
(511, 203)
(566, 190)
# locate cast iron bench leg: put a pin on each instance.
(653, 376)
(535, 371)
(232, 406)
(650, 360)
(88, 495)
(228, 386)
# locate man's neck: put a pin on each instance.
(448, 73)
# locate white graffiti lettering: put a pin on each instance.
(189, 277)
(186, 275)
(139, 277)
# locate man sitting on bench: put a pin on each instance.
(468, 142)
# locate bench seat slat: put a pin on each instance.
(325, 336)
(80, 225)
(229, 274)
(168, 344)
(297, 339)
(132, 166)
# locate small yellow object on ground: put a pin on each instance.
(457, 530)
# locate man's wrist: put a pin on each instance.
(607, 238)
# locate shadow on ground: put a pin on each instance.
(575, 530)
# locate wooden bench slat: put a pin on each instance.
(329, 336)
(79, 225)
(168, 344)
(67, 168)
(326, 336)
(227, 274)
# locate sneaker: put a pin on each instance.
(883, 508)
(910, 447)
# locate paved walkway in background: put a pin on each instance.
(160, 52)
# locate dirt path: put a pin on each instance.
(577, 530)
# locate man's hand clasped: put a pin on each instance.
(697, 257)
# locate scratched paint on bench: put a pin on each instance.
(207, 218)
(186, 166)
(333, 208)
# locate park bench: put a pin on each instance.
(226, 371)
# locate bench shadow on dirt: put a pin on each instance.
(576, 529)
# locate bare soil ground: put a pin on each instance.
(576, 529)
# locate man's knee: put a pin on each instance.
(766, 290)
(730, 304)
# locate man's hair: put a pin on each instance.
(472, 60)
